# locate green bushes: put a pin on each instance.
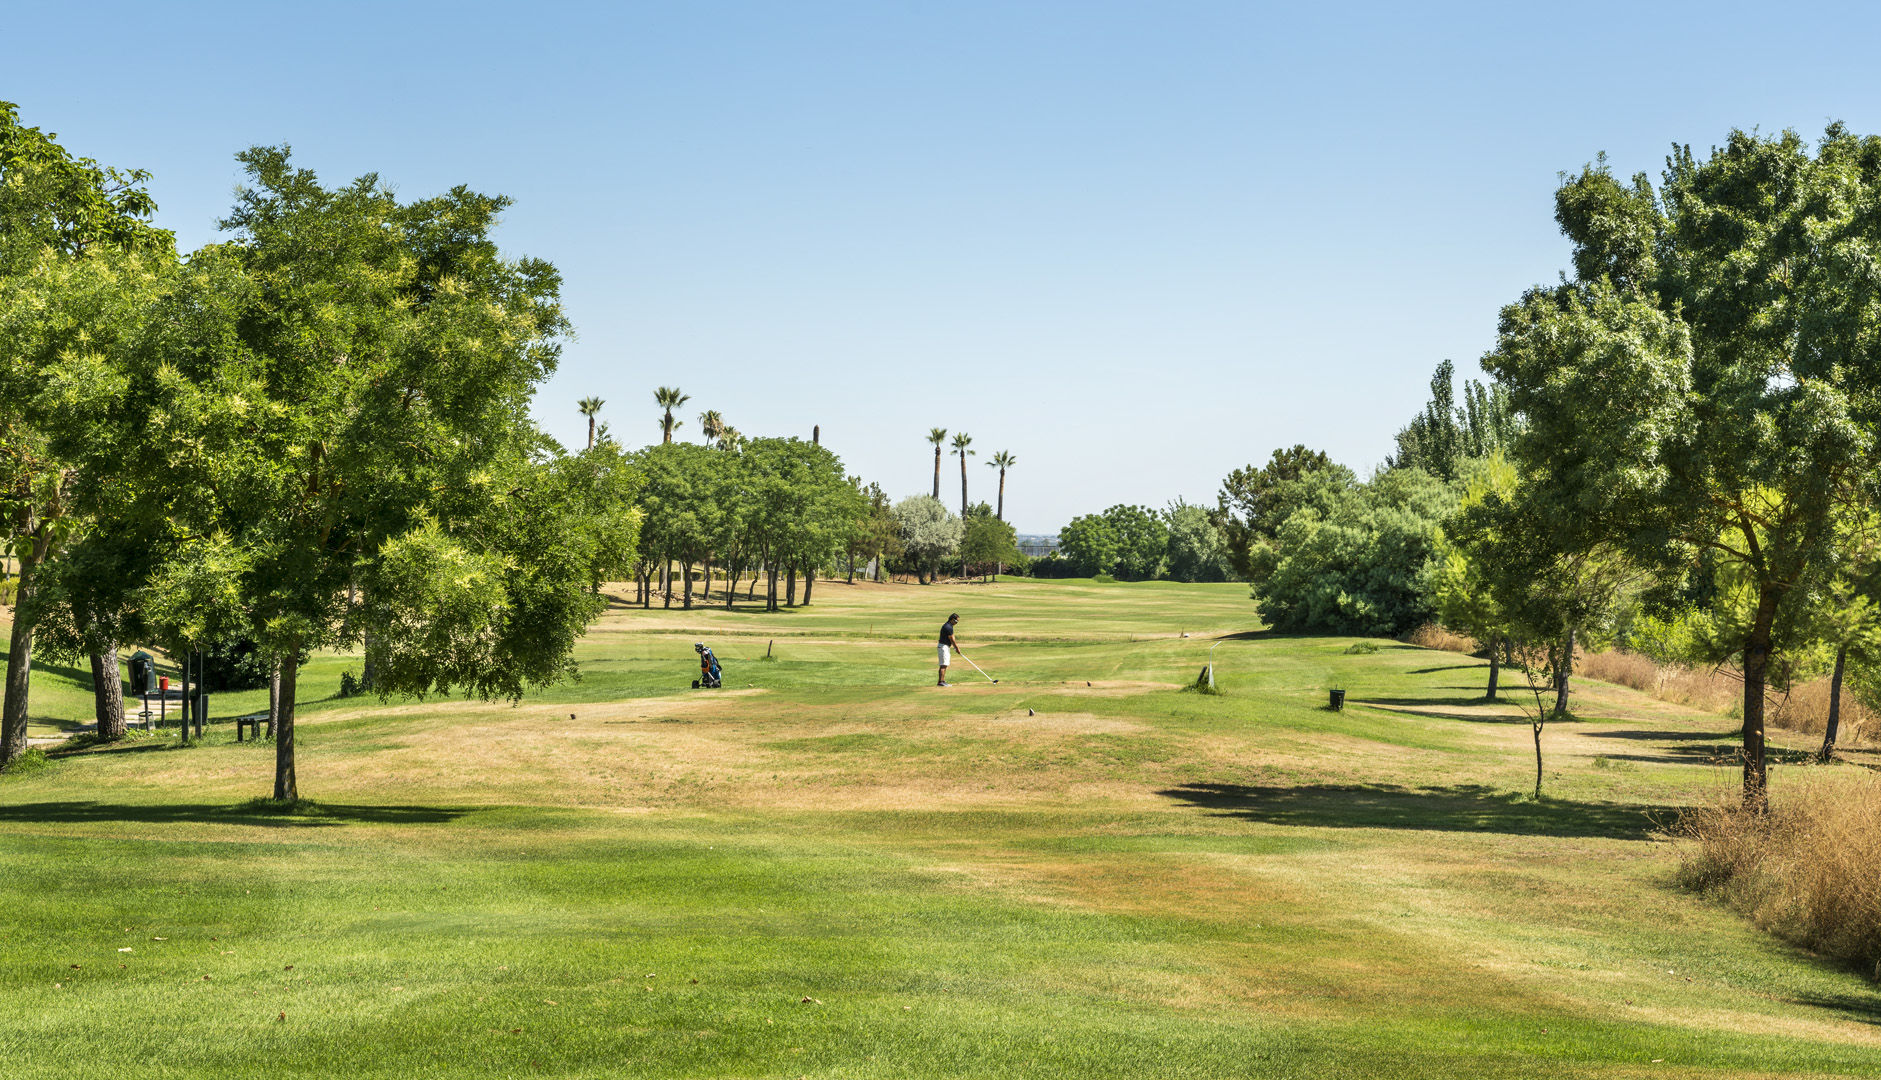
(1361, 567)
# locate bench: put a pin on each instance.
(255, 722)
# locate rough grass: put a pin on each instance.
(1804, 708)
(1078, 872)
(1806, 870)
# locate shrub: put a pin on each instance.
(33, 760)
(1804, 870)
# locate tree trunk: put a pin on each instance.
(274, 695)
(1495, 673)
(1835, 705)
(189, 654)
(752, 592)
(107, 691)
(19, 668)
(809, 579)
(705, 597)
(284, 786)
(368, 667)
(590, 431)
(1001, 512)
(1537, 729)
(852, 569)
(686, 569)
(770, 588)
(1563, 672)
(666, 583)
(963, 486)
(937, 454)
(790, 587)
(1756, 671)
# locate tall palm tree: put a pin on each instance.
(1002, 461)
(589, 406)
(731, 439)
(669, 398)
(937, 436)
(711, 425)
(962, 440)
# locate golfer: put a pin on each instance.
(947, 645)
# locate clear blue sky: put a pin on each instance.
(1135, 244)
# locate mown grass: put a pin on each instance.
(1079, 872)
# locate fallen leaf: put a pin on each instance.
(515, 1031)
(283, 1016)
(124, 950)
(159, 939)
(289, 967)
(74, 967)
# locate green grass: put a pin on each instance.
(1040, 878)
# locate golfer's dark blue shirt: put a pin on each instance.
(947, 634)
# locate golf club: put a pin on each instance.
(977, 667)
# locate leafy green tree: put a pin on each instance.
(1445, 435)
(1198, 551)
(339, 396)
(876, 537)
(681, 499)
(1363, 566)
(1462, 581)
(78, 258)
(1142, 541)
(1089, 545)
(1253, 503)
(928, 532)
(986, 543)
(1704, 392)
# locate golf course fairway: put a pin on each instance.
(833, 868)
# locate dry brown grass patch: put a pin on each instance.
(1805, 869)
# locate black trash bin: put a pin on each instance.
(1337, 703)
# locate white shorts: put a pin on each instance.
(944, 655)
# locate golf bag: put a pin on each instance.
(710, 674)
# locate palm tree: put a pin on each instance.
(589, 406)
(1002, 461)
(962, 440)
(711, 425)
(669, 398)
(731, 439)
(937, 436)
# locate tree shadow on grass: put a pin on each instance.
(1663, 736)
(255, 812)
(1456, 808)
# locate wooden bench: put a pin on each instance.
(254, 722)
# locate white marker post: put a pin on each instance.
(1211, 664)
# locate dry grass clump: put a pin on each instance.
(1700, 688)
(1805, 870)
(1805, 708)
(1432, 636)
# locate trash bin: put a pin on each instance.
(1338, 700)
(143, 673)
